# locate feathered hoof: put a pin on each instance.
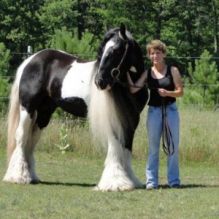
(20, 179)
(117, 188)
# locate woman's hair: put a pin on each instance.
(156, 44)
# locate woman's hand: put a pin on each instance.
(163, 92)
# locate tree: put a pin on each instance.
(69, 42)
(4, 60)
(206, 77)
(69, 14)
(20, 25)
(55, 15)
(215, 24)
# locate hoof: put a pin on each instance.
(114, 188)
(20, 180)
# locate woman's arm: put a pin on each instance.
(139, 84)
(178, 92)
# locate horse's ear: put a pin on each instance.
(123, 31)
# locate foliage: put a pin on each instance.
(63, 139)
(192, 96)
(187, 27)
(69, 42)
(4, 93)
(206, 77)
(4, 85)
(20, 25)
(4, 60)
(54, 15)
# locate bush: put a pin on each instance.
(4, 93)
(205, 78)
(4, 60)
(69, 42)
(192, 96)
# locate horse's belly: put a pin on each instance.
(76, 83)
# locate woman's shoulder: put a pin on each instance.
(173, 69)
(175, 72)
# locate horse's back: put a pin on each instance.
(38, 72)
(52, 78)
(44, 64)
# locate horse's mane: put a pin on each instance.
(108, 112)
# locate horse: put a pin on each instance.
(95, 89)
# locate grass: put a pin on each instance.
(68, 180)
(199, 140)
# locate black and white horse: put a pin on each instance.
(52, 78)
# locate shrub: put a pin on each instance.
(69, 42)
(205, 78)
(4, 60)
(4, 93)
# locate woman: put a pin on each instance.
(165, 86)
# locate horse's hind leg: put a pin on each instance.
(19, 166)
(32, 141)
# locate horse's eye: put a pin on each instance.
(117, 52)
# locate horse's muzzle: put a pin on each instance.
(103, 84)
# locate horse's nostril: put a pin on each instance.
(100, 83)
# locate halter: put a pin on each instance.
(115, 72)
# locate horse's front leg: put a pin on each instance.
(118, 174)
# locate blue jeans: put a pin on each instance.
(154, 129)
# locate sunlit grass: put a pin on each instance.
(199, 138)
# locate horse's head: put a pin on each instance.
(117, 54)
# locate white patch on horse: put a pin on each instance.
(133, 69)
(118, 174)
(108, 45)
(77, 81)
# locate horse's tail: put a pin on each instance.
(13, 118)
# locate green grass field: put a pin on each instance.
(68, 179)
(67, 185)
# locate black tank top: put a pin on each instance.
(153, 84)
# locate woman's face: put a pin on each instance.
(156, 56)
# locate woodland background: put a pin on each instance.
(190, 28)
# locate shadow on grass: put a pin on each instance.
(185, 186)
(190, 186)
(67, 184)
(165, 186)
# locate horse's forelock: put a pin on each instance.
(108, 36)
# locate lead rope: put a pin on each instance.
(167, 138)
